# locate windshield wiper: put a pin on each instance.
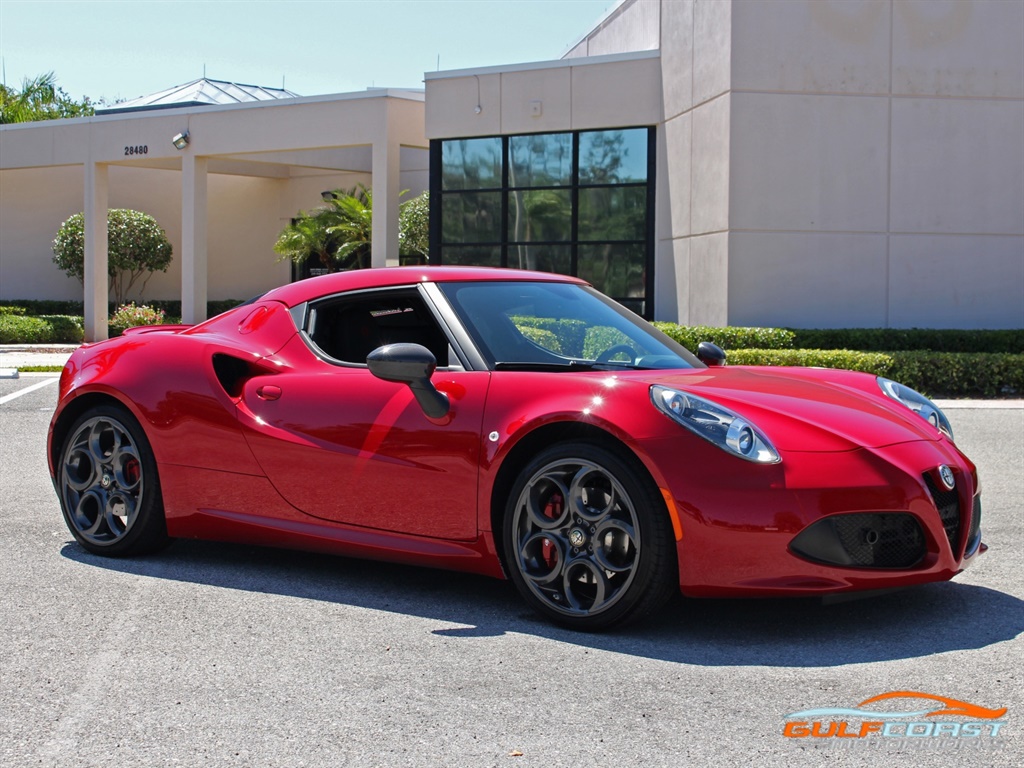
(571, 365)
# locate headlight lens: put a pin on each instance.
(715, 423)
(918, 403)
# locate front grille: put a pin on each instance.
(974, 532)
(948, 504)
(863, 540)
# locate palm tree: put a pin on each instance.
(40, 98)
(339, 233)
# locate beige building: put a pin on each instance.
(806, 163)
(819, 163)
(223, 197)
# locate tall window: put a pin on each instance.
(577, 203)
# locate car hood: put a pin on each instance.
(802, 409)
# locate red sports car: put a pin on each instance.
(514, 424)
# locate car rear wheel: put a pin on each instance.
(108, 484)
(587, 538)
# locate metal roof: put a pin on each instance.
(199, 93)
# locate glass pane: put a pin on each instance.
(471, 163)
(471, 255)
(540, 160)
(617, 271)
(543, 258)
(613, 213)
(613, 157)
(539, 214)
(557, 322)
(471, 217)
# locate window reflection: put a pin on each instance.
(615, 269)
(613, 213)
(575, 203)
(472, 217)
(539, 214)
(471, 163)
(613, 157)
(540, 160)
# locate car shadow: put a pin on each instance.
(910, 623)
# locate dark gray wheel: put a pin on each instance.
(108, 485)
(587, 538)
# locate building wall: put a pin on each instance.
(827, 163)
(246, 214)
(263, 170)
(632, 25)
(877, 164)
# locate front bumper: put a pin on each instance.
(821, 523)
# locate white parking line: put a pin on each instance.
(26, 390)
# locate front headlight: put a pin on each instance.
(918, 403)
(715, 423)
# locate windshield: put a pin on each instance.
(542, 326)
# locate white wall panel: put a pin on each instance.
(958, 166)
(803, 162)
(807, 280)
(949, 281)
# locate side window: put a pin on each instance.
(348, 328)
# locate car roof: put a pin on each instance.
(311, 288)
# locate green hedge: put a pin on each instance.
(935, 374)
(908, 339)
(37, 307)
(869, 362)
(728, 338)
(45, 329)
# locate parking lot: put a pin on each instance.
(213, 654)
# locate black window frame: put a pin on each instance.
(504, 245)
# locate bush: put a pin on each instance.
(170, 307)
(728, 338)
(907, 339)
(130, 316)
(869, 362)
(960, 374)
(136, 247)
(935, 374)
(46, 329)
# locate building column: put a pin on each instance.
(386, 182)
(94, 278)
(193, 238)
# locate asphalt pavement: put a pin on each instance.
(214, 654)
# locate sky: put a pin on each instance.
(120, 49)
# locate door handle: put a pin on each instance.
(268, 392)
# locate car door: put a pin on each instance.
(342, 445)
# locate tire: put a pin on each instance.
(108, 485)
(587, 538)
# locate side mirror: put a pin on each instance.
(710, 354)
(410, 364)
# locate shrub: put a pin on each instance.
(869, 362)
(12, 310)
(935, 374)
(130, 316)
(960, 374)
(136, 247)
(64, 329)
(47, 329)
(907, 339)
(728, 338)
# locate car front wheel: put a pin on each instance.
(587, 538)
(108, 485)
